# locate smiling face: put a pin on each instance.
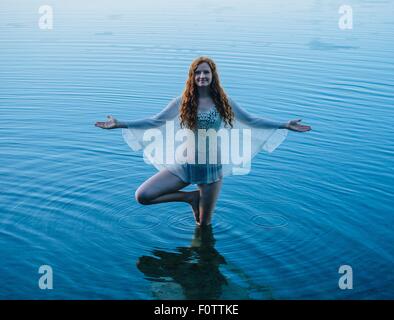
(203, 75)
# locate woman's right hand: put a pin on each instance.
(112, 123)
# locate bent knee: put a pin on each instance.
(142, 197)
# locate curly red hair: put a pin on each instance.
(188, 109)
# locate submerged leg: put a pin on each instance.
(208, 196)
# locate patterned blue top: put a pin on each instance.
(206, 172)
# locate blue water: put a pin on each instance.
(323, 199)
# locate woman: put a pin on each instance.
(203, 105)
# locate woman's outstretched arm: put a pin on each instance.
(243, 116)
(168, 113)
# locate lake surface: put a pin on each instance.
(323, 199)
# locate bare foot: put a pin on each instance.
(194, 202)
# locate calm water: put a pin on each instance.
(323, 199)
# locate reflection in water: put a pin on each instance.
(194, 268)
(194, 273)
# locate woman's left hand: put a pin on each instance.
(293, 125)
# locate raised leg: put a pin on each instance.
(164, 186)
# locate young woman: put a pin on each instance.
(202, 105)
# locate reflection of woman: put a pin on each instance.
(203, 105)
(197, 272)
(195, 268)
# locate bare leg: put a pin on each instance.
(208, 196)
(164, 187)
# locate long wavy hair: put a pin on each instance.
(188, 109)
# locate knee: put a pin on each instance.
(142, 197)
